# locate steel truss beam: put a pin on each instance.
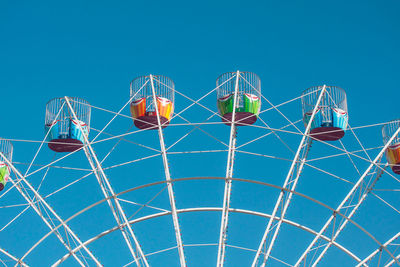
(26, 195)
(358, 187)
(206, 178)
(291, 180)
(351, 205)
(13, 257)
(170, 189)
(108, 193)
(228, 183)
(380, 250)
(393, 261)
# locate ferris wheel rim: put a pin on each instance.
(202, 178)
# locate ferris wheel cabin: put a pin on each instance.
(393, 151)
(248, 97)
(65, 130)
(6, 149)
(331, 117)
(152, 95)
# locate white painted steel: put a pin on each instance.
(169, 183)
(228, 183)
(28, 198)
(390, 263)
(302, 150)
(209, 209)
(348, 196)
(108, 191)
(370, 256)
(354, 208)
(12, 257)
(287, 191)
(204, 178)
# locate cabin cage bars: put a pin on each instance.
(226, 85)
(388, 130)
(334, 97)
(163, 87)
(6, 148)
(81, 107)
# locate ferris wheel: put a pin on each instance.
(294, 181)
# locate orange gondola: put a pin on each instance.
(393, 151)
(147, 90)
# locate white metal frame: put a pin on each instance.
(108, 191)
(26, 195)
(15, 258)
(350, 206)
(345, 201)
(380, 250)
(210, 209)
(216, 209)
(228, 182)
(287, 190)
(171, 195)
(291, 180)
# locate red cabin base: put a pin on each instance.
(396, 169)
(241, 118)
(65, 145)
(150, 122)
(327, 133)
(1, 187)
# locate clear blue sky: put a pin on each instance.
(93, 49)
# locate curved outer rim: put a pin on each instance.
(204, 178)
(207, 209)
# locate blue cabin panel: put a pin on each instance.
(331, 118)
(340, 118)
(328, 117)
(75, 130)
(52, 130)
(317, 122)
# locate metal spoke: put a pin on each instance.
(393, 261)
(11, 256)
(291, 180)
(354, 205)
(218, 209)
(387, 243)
(168, 179)
(228, 181)
(30, 199)
(358, 186)
(108, 191)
